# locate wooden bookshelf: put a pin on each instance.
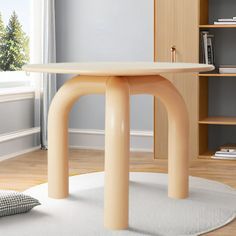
(206, 123)
(198, 90)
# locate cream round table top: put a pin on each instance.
(117, 68)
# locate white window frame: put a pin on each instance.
(14, 79)
(18, 82)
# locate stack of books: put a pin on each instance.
(207, 52)
(226, 152)
(230, 21)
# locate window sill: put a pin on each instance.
(15, 94)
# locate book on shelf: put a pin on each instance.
(227, 69)
(207, 42)
(226, 21)
(223, 157)
(226, 152)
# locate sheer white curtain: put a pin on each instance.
(43, 50)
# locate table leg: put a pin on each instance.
(58, 149)
(178, 126)
(116, 202)
(58, 184)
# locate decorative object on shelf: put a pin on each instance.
(207, 42)
(230, 69)
(228, 148)
(227, 21)
(227, 152)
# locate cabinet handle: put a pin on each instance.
(173, 54)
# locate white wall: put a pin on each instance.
(16, 115)
(17, 127)
(105, 30)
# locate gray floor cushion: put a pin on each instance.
(12, 203)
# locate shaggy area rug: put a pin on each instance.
(210, 205)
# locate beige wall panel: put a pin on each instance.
(180, 29)
(164, 37)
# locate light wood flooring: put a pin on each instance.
(30, 169)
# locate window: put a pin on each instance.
(14, 43)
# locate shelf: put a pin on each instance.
(216, 26)
(218, 121)
(215, 89)
(216, 75)
(207, 155)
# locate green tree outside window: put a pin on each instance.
(14, 45)
(2, 33)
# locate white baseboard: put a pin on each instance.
(21, 152)
(19, 142)
(18, 134)
(140, 141)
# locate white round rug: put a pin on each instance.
(210, 206)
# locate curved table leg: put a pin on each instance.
(117, 154)
(178, 134)
(58, 129)
(117, 138)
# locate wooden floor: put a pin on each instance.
(30, 169)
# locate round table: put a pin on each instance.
(117, 80)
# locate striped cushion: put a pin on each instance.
(12, 203)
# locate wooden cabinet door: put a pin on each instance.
(177, 25)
